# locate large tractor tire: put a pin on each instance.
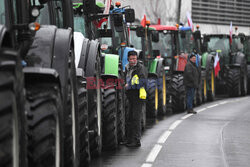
(45, 125)
(162, 96)
(120, 108)
(243, 78)
(83, 121)
(233, 82)
(248, 79)
(210, 78)
(109, 119)
(13, 138)
(152, 98)
(178, 93)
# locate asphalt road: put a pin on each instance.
(218, 136)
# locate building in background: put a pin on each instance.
(213, 16)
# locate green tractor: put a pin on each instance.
(113, 37)
(143, 39)
(232, 77)
(46, 53)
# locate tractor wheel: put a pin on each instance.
(162, 96)
(233, 82)
(83, 121)
(248, 78)
(13, 137)
(244, 78)
(71, 149)
(45, 126)
(204, 91)
(143, 116)
(109, 119)
(178, 93)
(120, 109)
(152, 98)
(120, 116)
(210, 78)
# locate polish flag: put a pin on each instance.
(231, 33)
(143, 21)
(107, 7)
(190, 22)
(216, 64)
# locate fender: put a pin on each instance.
(41, 51)
(94, 51)
(209, 59)
(5, 39)
(81, 50)
(239, 58)
(153, 66)
(111, 64)
(38, 74)
(62, 47)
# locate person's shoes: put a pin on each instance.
(134, 144)
(123, 142)
(191, 111)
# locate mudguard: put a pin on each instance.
(3, 31)
(239, 57)
(111, 64)
(209, 59)
(5, 39)
(40, 53)
(38, 74)
(153, 66)
(62, 47)
(92, 57)
(82, 54)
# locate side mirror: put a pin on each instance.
(118, 20)
(104, 33)
(156, 53)
(139, 31)
(130, 15)
(89, 6)
(155, 36)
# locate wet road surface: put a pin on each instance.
(218, 136)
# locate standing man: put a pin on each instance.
(191, 81)
(135, 84)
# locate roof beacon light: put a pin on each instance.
(118, 4)
(147, 22)
(177, 26)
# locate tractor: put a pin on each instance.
(232, 77)
(247, 53)
(143, 38)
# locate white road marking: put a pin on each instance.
(154, 152)
(146, 165)
(164, 137)
(200, 110)
(224, 102)
(187, 116)
(175, 124)
(213, 106)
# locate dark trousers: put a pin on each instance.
(134, 120)
(190, 97)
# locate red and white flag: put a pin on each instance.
(216, 64)
(231, 33)
(190, 22)
(107, 7)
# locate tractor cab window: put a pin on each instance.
(237, 45)
(2, 12)
(57, 5)
(217, 43)
(43, 18)
(79, 24)
(135, 41)
(106, 45)
(186, 41)
(164, 44)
